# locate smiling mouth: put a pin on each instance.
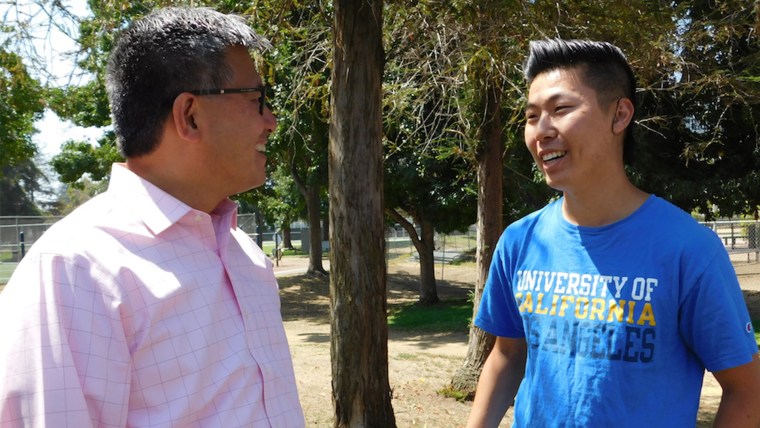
(553, 155)
(261, 148)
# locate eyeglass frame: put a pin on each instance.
(262, 89)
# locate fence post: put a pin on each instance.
(21, 245)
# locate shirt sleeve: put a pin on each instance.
(498, 313)
(714, 320)
(63, 355)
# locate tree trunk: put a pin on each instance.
(428, 288)
(313, 204)
(425, 245)
(361, 391)
(315, 231)
(490, 193)
(326, 227)
(259, 226)
(287, 237)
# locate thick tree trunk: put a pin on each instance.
(490, 193)
(425, 245)
(359, 332)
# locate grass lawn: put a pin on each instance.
(6, 269)
(449, 315)
(756, 325)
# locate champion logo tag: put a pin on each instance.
(748, 327)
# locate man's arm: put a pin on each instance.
(740, 403)
(499, 381)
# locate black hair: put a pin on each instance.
(603, 66)
(167, 52)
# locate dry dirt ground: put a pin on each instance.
(419, 364)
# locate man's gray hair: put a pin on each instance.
(165, 53)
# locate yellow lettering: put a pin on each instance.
(597, 309)
(616, 310)
(581, 308)
(542, 310)
(553, 311)
(631, 306)
(563, 304)
(527, 304)
(647, 315)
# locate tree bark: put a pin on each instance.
(361, 391)
(287, 236)
(326, 227)
(315, 231)
(424, 243)
(313, 204)
(490, 193)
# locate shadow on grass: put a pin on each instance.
(306, 298)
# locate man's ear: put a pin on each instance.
(184, 110)
(623, 115)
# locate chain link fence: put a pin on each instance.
(740, 238)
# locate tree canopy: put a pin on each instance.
(21, 104)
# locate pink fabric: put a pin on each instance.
(137, 310)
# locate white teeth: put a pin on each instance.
(261, 148)
(553, 155)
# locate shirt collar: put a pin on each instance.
(156, 208)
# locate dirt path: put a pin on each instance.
(419, 364)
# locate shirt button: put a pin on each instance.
(198, 218)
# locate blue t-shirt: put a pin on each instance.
(620, 320)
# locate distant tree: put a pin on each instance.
(80, 161)
(432, 193)
(18, 185)
(702, 151)
(21, 104)
(299, 71)
(429, 185)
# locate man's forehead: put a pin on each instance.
(552, 84)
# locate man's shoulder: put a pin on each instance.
(84, 227)
(668, 219)
(542, 215)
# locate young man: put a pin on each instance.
(609, 303)
(147, 306)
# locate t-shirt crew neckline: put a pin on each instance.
(565, 224)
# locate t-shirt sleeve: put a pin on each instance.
(714, 320)
(498, 313)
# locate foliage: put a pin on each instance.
(278, 199)
(702, 150)
(80, 160)
(18, 185)
(21, 104)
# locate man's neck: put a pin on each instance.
(603, 206)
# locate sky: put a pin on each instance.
(52, 47)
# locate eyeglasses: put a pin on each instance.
(262, 89)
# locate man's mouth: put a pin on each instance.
(261, 148)
(553, 155)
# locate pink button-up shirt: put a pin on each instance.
(137, 310)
